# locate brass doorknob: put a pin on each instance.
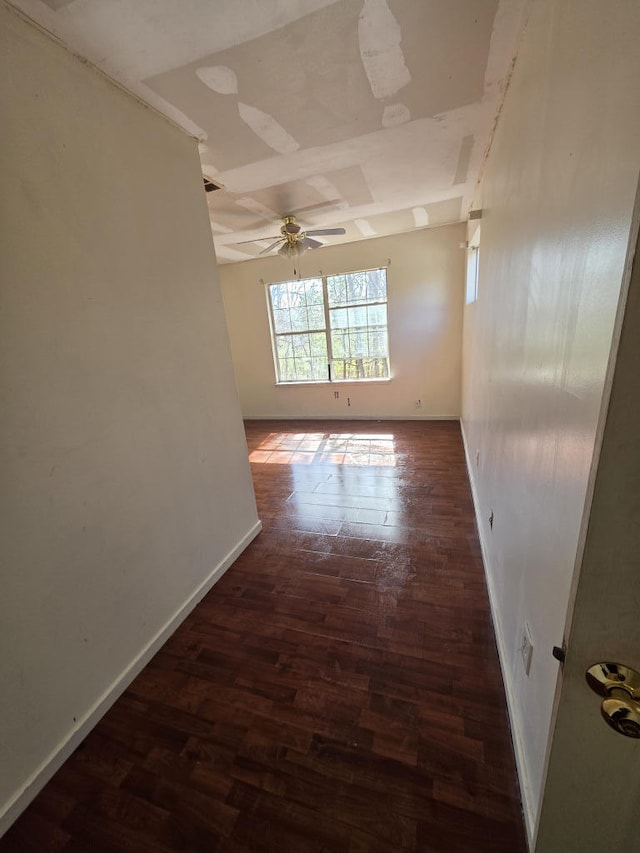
(620, 686)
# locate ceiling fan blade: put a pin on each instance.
(336, 202)
(308, 243)
(320, 231)
(258, 239)
(272, 246)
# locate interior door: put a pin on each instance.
(591, 800)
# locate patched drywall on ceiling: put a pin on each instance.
(371, 115)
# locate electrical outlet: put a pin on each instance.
(526, 648)
(348, 401)
(418, 404)
(336, 394)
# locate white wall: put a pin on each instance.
(425, 292)
(125, 480)
(558, 192)
(585, 785)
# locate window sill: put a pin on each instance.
(333, 382)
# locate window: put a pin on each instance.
(332, 328)
(473, 266)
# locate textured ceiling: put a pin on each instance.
(372, 115)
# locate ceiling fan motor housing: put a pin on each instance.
(290, 225)
(294, 240)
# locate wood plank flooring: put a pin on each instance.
(337, 691)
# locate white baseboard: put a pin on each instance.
(375, 418)
(56, 759)
(512, 707)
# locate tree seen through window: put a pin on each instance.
(330, 328)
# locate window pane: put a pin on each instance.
(337, 370)
(314, 292)
(298, 307)
(315, 314)
(339, 318)
(377, 286)
(294, 294)
(357, 316)
(361, 368)
(278, 295)
(337, 289)
(376, 368)
(302, 357)
(318, 345)
(281, 320)
(284, 347)
(377, 315)
(320, 368)
(377, 343)
(357, 287)
(339, 343)
(301, 346)
(359, 325)
(359, 344)
(299, 319)
(286, 369)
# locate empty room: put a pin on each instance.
(319, 412)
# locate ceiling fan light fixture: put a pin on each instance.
(291, 250)
(294, 241)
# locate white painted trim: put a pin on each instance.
(526, 794)
(303, 383)
(56, 759)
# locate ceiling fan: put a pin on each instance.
(293, 240)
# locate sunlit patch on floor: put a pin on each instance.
(348, 448)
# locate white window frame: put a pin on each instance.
(473, 268)
(330, 378)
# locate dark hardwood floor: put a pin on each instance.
(338, 689)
